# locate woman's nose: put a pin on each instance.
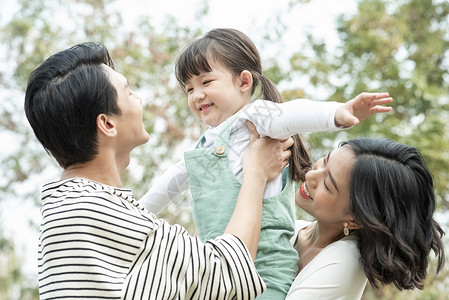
(312, 175)
(310, 178)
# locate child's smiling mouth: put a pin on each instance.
(205, 106)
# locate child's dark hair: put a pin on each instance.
(235, 51)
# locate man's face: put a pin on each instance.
(130, 129)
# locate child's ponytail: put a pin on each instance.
(299, 162)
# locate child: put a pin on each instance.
(219, 73)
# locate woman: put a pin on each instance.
(373, 201)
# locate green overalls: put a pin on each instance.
(215, 189)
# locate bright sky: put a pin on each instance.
(249, 16)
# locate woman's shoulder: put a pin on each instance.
(335, 273)
(342, 254)
(344, 251)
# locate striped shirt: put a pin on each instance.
(97, 242)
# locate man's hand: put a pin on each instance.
(262, 162)
(265, 158)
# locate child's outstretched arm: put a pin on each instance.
(282, 120)
(361, 107)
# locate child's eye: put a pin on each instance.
(207, 81)
(188, 90)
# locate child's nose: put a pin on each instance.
(198, 96)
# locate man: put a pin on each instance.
(96, 241)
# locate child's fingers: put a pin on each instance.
(380, 109)
(382, 95)
(382, 101)
(385, 99)
(374, 95)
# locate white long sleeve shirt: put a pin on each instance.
(276, 120)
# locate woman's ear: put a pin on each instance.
(246, 81)
(106, 125)
(352, 225)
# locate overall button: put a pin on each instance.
(220, 150)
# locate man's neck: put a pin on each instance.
(102, 172)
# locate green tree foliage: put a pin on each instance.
(144, 55)
(13, 283)
(401, 47)
(141, 52)
(395, 46)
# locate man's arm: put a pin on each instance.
(95, 243)
(262, 162)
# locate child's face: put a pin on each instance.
(215, 96)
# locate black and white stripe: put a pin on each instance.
(97, 242)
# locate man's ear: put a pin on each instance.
(246, 81)
(106, 125)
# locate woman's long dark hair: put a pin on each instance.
(235, 51)
(391, 197)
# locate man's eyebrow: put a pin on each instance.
(334, 183)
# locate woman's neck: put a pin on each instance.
(324, 235)
(312, 239)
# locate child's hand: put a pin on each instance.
(361, 107)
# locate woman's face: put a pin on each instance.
(324, 194)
